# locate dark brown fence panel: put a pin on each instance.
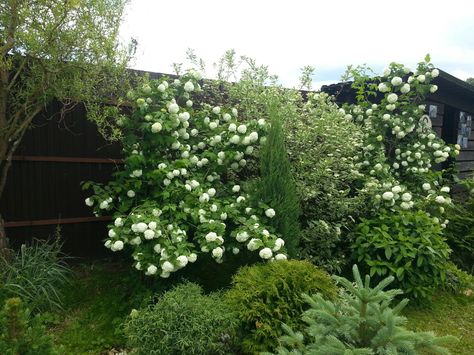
(43, 187)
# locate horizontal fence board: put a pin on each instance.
(58, 221)
(465, 155)
(67, 159)
(464, 166)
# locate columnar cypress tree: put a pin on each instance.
(276, 187)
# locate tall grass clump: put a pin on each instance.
(35, 273)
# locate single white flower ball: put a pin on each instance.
(217, 252)
(173, 108)
(392, 98)
(188, 86)
(242, 129)
(396, 80)
(280, 257)
(117, 245)
(265, 253)
(156, 127)
(270, 213)
(167, 266)
(152, 269)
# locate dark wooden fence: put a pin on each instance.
(43, 187)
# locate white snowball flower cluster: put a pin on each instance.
(177, 205)
(400, 149)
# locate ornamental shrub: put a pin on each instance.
(180, 191)
(265, 295)
(20, 333)
(276, 186)
(182, 321)
(400, 149)
(407, 245)
(460, 230)
(361, 322)
(36, 273)
(322, 144)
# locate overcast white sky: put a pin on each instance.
(287, 35)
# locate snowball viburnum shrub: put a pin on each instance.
(178, 195)
(400, 148)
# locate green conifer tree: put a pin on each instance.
(276, 187)
(361, 322)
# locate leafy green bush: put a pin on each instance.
(183, 321)
(276, 187)
(323, 143)
(179, 195)
(35, 273)
(21, 334)
(408, 245)
(361, 322)
(265, 295)
(460, 230)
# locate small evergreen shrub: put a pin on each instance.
(276, 187)
(21, 334)
(407, 245)
(35, 273)
(183, 321)
(361, 322)
(266, 295)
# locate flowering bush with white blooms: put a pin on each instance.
(179, 194)
(400, 149)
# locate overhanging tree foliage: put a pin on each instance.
(66, 50)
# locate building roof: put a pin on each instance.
(451, 91)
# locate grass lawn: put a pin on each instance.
(96, 303)
(448, 314)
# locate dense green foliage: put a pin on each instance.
(460, 230)
(182, 321)
(323, 144)
(35, 273)
(361, 322)
(265, 295)
(20, 334)
(408, 245)
(276, 186)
